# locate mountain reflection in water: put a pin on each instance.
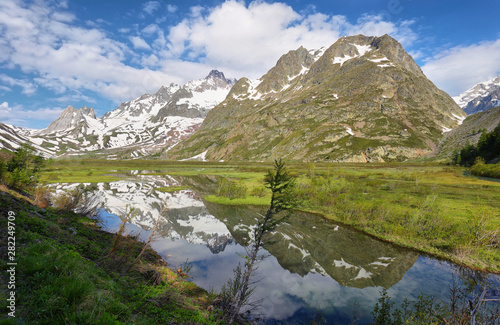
(316, 266)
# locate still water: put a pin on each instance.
(313, 266)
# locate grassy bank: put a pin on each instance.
(436, 209)
(63, 275)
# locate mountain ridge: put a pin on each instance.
(363, 99)
(141, 127)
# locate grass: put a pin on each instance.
(171, 189)
(64, 277)
(437, 209)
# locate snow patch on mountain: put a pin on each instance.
(207, 99)
(481, 97)
(146, 125)
(361, 49)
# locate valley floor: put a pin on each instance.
(435, 209)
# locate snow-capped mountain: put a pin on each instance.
(12, 137)
(147, 125)
(481, 97)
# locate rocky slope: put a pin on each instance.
(145, 126)
(470, 131)
(481, 97)
(363, 99)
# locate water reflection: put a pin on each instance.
(315, 265)
(309, 244)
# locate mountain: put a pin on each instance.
(363, 99)
(144, 126)
(481, 97)
(76, 120)
(12, 137)
(469, 132)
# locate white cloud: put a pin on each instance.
(251, 38)
(171, 8)
(59, 54)
(151, 6)
(17, 115)
(139, 43)
(28, 87)
(151, 29)
(64, 56)
(459, 68)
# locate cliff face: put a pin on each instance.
(362, 99)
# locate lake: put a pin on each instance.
(313, 267)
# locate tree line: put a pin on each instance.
(487, 148)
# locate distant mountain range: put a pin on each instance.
(363, 99)
(481, 97)
(142, 127)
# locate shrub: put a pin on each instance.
(485, 170)
(258, 191)
(68, 200)
(42, 197)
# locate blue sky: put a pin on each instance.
(55, 53)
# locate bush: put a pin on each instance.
(42, 197)
(484, 170)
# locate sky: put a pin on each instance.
(100, 53)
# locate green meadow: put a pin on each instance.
(437, 209)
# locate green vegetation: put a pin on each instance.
(485, 170)
(64, 276)
(433, 208)
(231, 189)
(487, 148)
(22, 170)
(171, 189)
(430, 311)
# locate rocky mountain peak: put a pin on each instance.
(195, 98)
(71, 118)
(481, 97)
(288, 67)
(216, 74)
(385, 51)
(88, 111)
